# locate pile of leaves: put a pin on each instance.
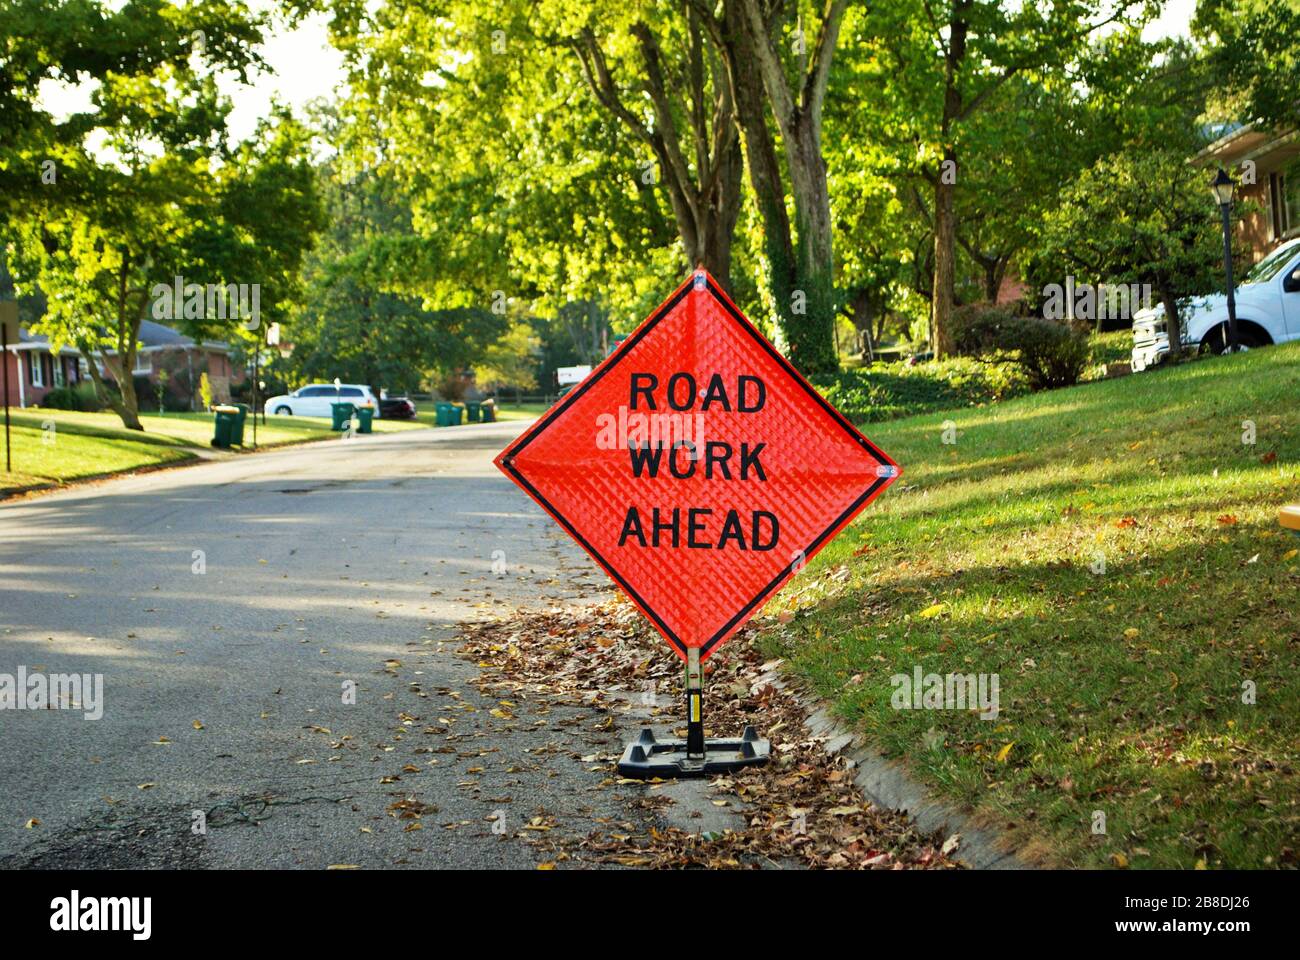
(801, 808)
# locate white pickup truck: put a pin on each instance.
(1268, 311)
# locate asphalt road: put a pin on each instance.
(337, 563)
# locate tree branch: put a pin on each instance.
(596, 72)
(665, 127)
(819, 70)
(769, 66)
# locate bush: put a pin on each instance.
(884, 391)
(1111, 347)
(452, 388)
(1051, 354)
(81, 396)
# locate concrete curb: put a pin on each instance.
(887, 784)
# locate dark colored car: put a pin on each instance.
(396, 408)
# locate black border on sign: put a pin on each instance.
(507, 462)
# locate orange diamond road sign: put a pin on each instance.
(698, 467)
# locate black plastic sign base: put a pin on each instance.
(647, 758)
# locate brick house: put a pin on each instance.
(162, 348)
(35, 368)
(1266, 166)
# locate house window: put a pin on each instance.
(1289, 189)
(36, 369)
(143, 366)
(1275, 211)
(58, 371)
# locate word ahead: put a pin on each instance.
(702, 518)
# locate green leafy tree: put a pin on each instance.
(540, 199)
(941, 65)
(779, 58)
(88, 41)
(153, 216)
(1138, 218)
(161, 196)
(1255, 53)
(611, 158)
(511, 361)
(349, 325)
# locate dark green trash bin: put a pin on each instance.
(342, 414)
(237, 433)
(473, 411)
(365, 417)
(489, 411)
(223, 429)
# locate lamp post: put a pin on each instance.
(8, 324)
(257, 375)
(1222, 187)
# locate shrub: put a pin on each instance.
(452, 388)
(205, 390)
(884, 391)
(81, 396)
(146, 394)
(1052, 354)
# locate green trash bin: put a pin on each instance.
(448, 415)
(223, 429)
(489, 411)
(342, 414)
(473, 411)
(237, 432)
(365, 416)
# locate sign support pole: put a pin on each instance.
(257, 355)
(694, 705)
(4, 353)
(647, 758)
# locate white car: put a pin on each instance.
(1268, 311)
(315, 400)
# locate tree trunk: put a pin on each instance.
(762, 162)
(812, 334)
(866, 308)
(943, 295)
(124, 404)
(705, 201)
(1173, 323)
(750, 47)
(945, 255)
(720, 208)
(127, 322)
(992, 279)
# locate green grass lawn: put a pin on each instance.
(1120, 691)
(41, 457)
(89, 444)
(523, 411)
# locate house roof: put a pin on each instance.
(152, 336)
(36, 341)
(156, 335)
(1246, 142)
